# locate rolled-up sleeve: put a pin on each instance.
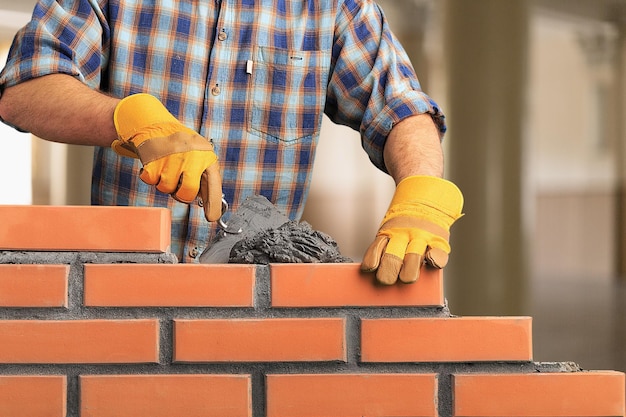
(63, 37)
(373, 85)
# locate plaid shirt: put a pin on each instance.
(255, 76)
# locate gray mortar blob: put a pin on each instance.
(268, 236)
(292, 242)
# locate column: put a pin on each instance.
(619, 132)
(486, 59)
(78, 180)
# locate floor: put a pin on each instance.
(582, 321)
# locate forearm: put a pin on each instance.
(413, 147)
(60, 108)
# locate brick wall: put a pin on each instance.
(97, 319)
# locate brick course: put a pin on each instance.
(566, 394)
(84, 228)
(79, 341)
(112, 328)
(165, 395)
(344, 285)
(352, 395)
(260, 340)
(446, 339)
(33, 285)
(182, 285)
(29, 396)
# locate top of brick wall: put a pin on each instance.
(85, 228)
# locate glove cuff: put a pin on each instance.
(137, 112)
(435, 192)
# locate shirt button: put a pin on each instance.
(193, 253)
(216, 90)
(222, 35)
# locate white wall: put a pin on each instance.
(15, 160)
(348, 196)
(570, 167)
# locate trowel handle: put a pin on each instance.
(221, 222)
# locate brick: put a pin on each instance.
(33, 285)
(181, 285)
(85, 228)
(33, 396)
(578, 394)
(78, 341)
(262, 340)
(165, 396)
(457, 339)
(339, 285)
(352, 395)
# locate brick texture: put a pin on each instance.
(461, 339)
(165, 396)
(33, 396)
(78, 341)
(266, 340)
(33, 285)
(84, 228)
(120, 333)
(352, 395)
(339, 285)
(562, 394)
(169, 285)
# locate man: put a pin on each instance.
(186, 98)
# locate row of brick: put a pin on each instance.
(382, 340)
(90, 337)
(311, 395)
(62, 228)
(187, 285)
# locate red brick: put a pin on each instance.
(459, 339)
(33, 285)
(165, 396)
(352, 395)
(85, 228)
(33, 396)
(181, 285)
(338, 285)
(78, 341)
(262, 340)
(578, 394)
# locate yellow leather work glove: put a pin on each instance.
(415, 229)
(176, 159)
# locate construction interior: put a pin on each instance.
(534, 92)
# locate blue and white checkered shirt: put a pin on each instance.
(255, 76)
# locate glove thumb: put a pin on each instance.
(211, 193)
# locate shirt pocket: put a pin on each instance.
(287, 93)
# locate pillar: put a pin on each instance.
(486, 59)
(619, 134)
(79, 170)
(61, 174)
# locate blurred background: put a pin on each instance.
(535, 96)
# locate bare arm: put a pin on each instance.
(414, 148)
(60, 108)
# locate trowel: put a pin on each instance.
(255, 215)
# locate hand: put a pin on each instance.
(415, 229)
(176, 159)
